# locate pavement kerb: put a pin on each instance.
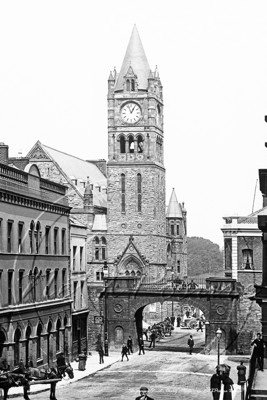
(92, 366)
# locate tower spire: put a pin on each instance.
(136, 58)
(174, 208)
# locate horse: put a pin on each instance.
(16, 378)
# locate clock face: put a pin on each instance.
(131, 113)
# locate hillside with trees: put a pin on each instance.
(204, 258)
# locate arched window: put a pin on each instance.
(127, 273)
(17, 336)
(96, 245)
(31, 234)
(140, 144)
(172, 229)
(132, 85)
(123, 203)
(49, 350)
(38, 342)
(178, 229)
(139, 192)
(131, 144)
(122, 144)
(138, 273)
(37, 235)
(58, 335)
(128, 85)
(132, 273)
(103, 248)
(28, 335)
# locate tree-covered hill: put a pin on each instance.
(203, 257)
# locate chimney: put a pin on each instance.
(3, 153)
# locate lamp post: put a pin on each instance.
(219, 335)
(105, 276)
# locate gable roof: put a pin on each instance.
(135, 58)
(74, 168)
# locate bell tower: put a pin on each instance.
(135, 168)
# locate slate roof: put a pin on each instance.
(174, 208)
(136, 58)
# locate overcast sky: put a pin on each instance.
(55, 59)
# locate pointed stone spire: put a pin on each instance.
(110, 78)
(136, 57)
(174, 208)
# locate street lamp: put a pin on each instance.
(219, 335)
(105, 277)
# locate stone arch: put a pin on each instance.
(3, 339)
(131, 264)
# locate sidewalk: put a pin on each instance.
(92, 366)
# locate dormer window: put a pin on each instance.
(132, 85)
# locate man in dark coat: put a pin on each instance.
(124, 352)
(215, 385)
(259, 345)
(190, 343)
(143, 394)
(141, 345)
(130, 345)
(178, 321)
(152, 339)
(61, 363)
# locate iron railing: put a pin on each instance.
(251, 373)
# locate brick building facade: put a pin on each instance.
(35, 316)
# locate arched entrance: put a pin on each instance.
(27, 344)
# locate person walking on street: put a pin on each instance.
(178, 321)
(141, 346)
(259, 345)
(101, 355)
(190, 343)
(143, 394)
(200, 326)
(152, 339)
(130, 345)
(215, 385)
(124, 352)
(228, 387)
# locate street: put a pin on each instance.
(168, 371)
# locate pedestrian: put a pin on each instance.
(124, 352)
(61, 364)
(178, 321)
(130, 345)
(259, 345)
(228, 387)
(145, 333)
(152, 339)
(141, 346)
(172, 320)
(215, 385)
(200, 326)
(190, 343)
(241, 373)
(143, 394)
(101, 354)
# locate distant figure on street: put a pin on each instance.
(141, 346)
(173, 320)
(190, 343)
(178, 319)
(61, 363)
(259, 345)
(215, 385)
(152, 339)
(130, 345)
(145, 333)
(228, 387)
(124, 352)
(101, 354)
(200, 326)
(143, 394)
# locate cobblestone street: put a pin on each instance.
(168, 372)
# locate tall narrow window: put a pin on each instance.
(140, 144)
(122, 144)
(37, 237)
(55, 240)
(55, 282)
(132, 85)
(178, 266)
(139, 192)
(20, 235)
(9, 236)
(75, 294)
(172, 229)
(103, 248)
(38, 342)
(47, 285)
(99, 276)
(128, 85)
(47, 239)
(96, 248)
(131, 144)
(74, 250)
(63, 239)
(31, 236)
(17, 336)
(58, 326)
(21, 286)
(123, 193)
(9, 287)
(63, 282)
(82, 286)
(247, 258)
(81, 258)
(178, 229)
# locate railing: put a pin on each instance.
(7, 172)
(174, 284)
(251, 373)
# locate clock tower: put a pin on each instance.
(136, 220)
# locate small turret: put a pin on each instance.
(111, 82)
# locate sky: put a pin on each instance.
(55, 59)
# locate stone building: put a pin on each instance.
(243, 262)
(35, 316)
